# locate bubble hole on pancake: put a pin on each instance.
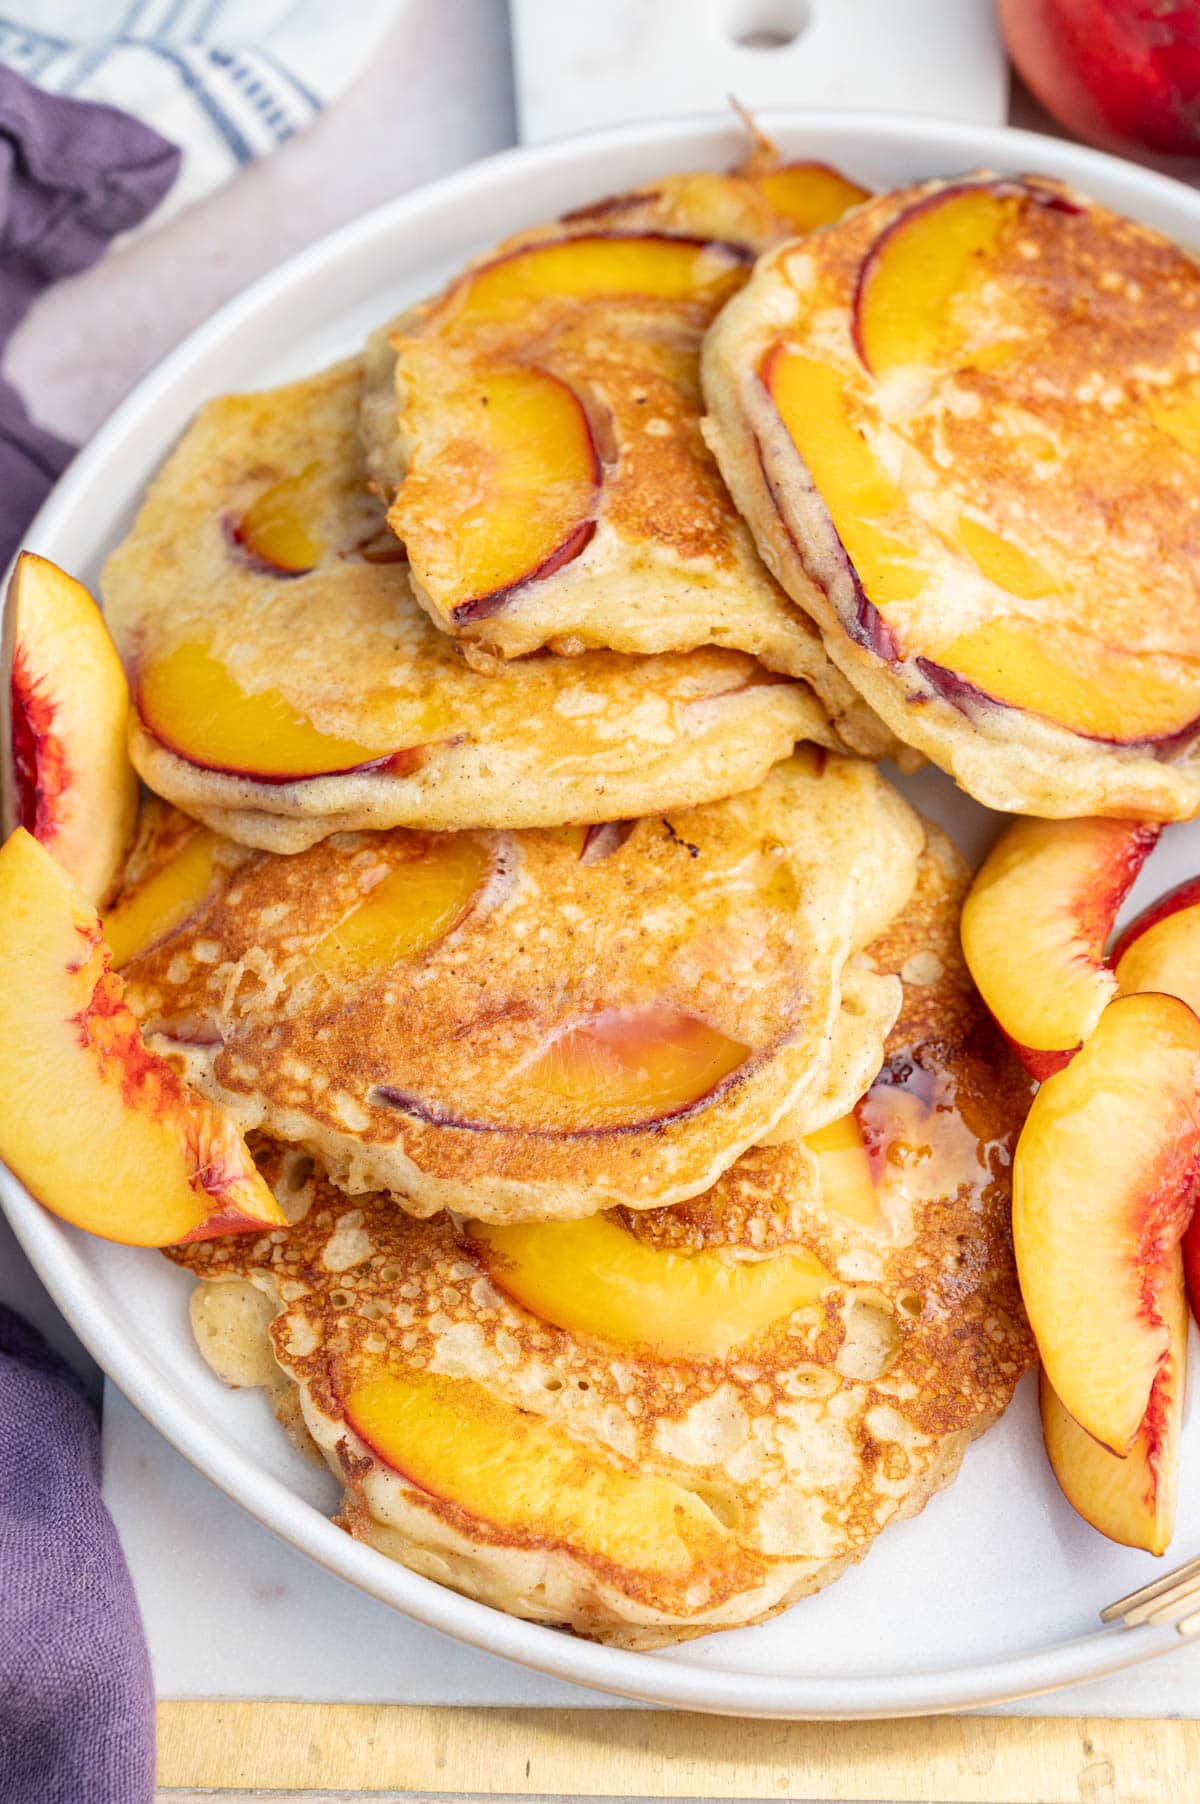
(607, 1483)
(538, 1024)
(287, 686)
(536, 429)
(963, 425)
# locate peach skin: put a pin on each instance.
(68, 778)
(1131, 1500)
(1034, 928)
(1104, 1184)
(132, 1154)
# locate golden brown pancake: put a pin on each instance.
(532, 1025)
(721, 1438)
(963, 425)
(281, 701)
(536, 429)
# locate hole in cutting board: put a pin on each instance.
(766, 24)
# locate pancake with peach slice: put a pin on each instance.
(287, 686)
(963, 424)
(536, 431)
(648, 1427)
(537, 1024)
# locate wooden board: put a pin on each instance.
(371, 1748)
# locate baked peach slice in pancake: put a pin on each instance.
(1130, 1499)
(505, 491)
(1036, 923)
(535, 1028)
(68, 778)
(910, 411)
(1104, 1186)
(451, 1438)
(133, 1154)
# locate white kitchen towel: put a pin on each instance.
(226, 80)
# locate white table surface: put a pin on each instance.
(229, 1609)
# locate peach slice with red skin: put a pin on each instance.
(1131, 1500)
(132, 1154)
(68, 777)
(416, 903)
(274, 531)
(192, 703)
(149, 911)
(1105, 1180)
(1034, 927)
(524, 1478)
(1160, 950)
(595, 266)
(809, 195)
(509, 498)
(593, 1277)
(932, 255)
(616, 1069)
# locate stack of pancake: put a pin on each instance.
(518, 876)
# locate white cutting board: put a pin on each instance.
(584, 63)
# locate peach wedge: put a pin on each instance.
(505, 496)
(920, 267)
(1034, 928)
(1104, 1185)
(524, 1478)
(192, 703)
(593, 1277)
(101, 1130)
(1131, 1500)
(68, 776)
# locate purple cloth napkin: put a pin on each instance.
(72, 175)
(76, 1699)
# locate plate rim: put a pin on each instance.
(52, 1247)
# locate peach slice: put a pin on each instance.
(523, 438)
(1070, 677)
(600, 266)
(151, 910)
(131, 1153)
(1161, 949)
(274, 530)
(930, 257)
(1034, 927)
(810, 398)
(630, 1065)
(844, 1164)
(808, 195)
(70, 781)
(415, 904)
(190, 702)
(1131, 1500)
(1104, 1184)
(593, 1277)
(525, 1479)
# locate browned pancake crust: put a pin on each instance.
(857, 1408)
(408, 1075)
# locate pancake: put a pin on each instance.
(963, 424)
(536, 430)
(813, 1375)
(529, 1025)
(288, 686)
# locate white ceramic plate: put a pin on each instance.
(993, 1592)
